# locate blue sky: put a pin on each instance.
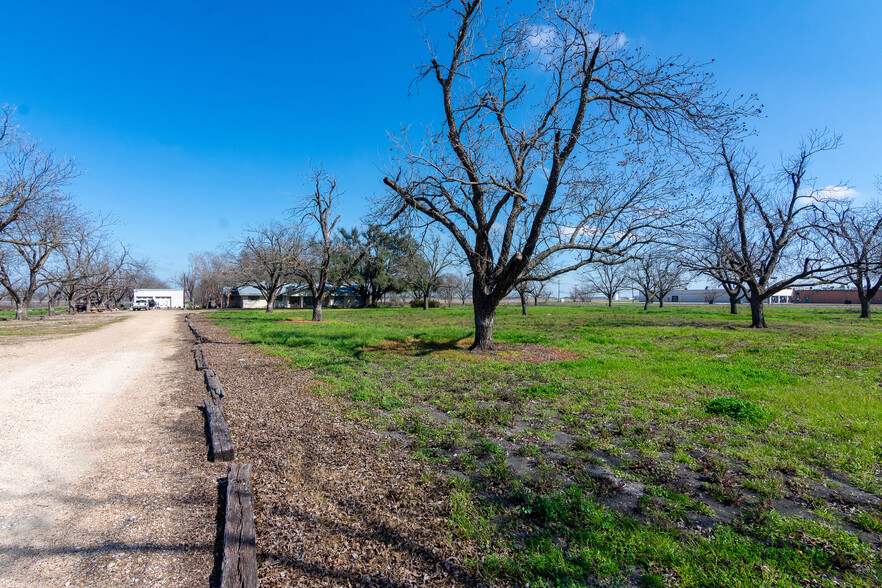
(193, 119)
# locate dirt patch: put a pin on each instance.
(301, 320)
(335, 503)
(512, 353)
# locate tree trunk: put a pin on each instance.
(865, 307)
(523, 304)
(21, 310)
(270, 302)
(425, 302)
(485, 312)
(316, 310)
(609, 301)
(757, 314)
(646, 303)
(661, 302)
(733, 303)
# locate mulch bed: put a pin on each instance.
(335, 504)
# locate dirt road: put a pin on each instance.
(103, 477)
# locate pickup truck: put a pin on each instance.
(140, 305)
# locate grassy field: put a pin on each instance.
(39, 324)
(668, 447)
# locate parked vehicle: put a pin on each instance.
(140, 305)
(80, 307)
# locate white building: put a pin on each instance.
(163, 298)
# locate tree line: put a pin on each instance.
(558, 148)
(306, 248)
(50, 247)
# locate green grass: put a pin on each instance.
(757, 415)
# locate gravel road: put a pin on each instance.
(103, 477)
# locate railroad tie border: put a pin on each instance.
(199, 358)
(218, 432)
(239, 564)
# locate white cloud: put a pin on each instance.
(836, 193)
(540, 37)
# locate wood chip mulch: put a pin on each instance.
(335, 503)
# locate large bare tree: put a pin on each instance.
(771, 242)
(557, 145)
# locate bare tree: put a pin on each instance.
(711, 294)
(268, 256)
(523, 290)
(584, 170)
(463, 288)
(188, 282)
(214, 274)
(580, 294)
(669, 275)
(772, 245)
(423, 271)
(136, 273)
(713, 254)
(30, 178)
(607, 279)
(315, 265)
(447, 287)
(642, 274)
(537, 290)
(34, 236)
(854, 236)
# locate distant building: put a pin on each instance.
(830, 296)
(692, 296)
(715, 296)
(162, 298)
(293, 296)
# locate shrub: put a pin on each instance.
(419, 304)
(737, 409)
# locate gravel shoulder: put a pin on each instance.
(104, 480)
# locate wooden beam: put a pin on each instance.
(212, 383)
(218, 432)
(239, 565)
(199, 357)
(199, 337)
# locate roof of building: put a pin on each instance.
(292, 290)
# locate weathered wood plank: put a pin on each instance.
(212, 383)
(195, 331)
(199, 357)
(239, 565)
(218, 432)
